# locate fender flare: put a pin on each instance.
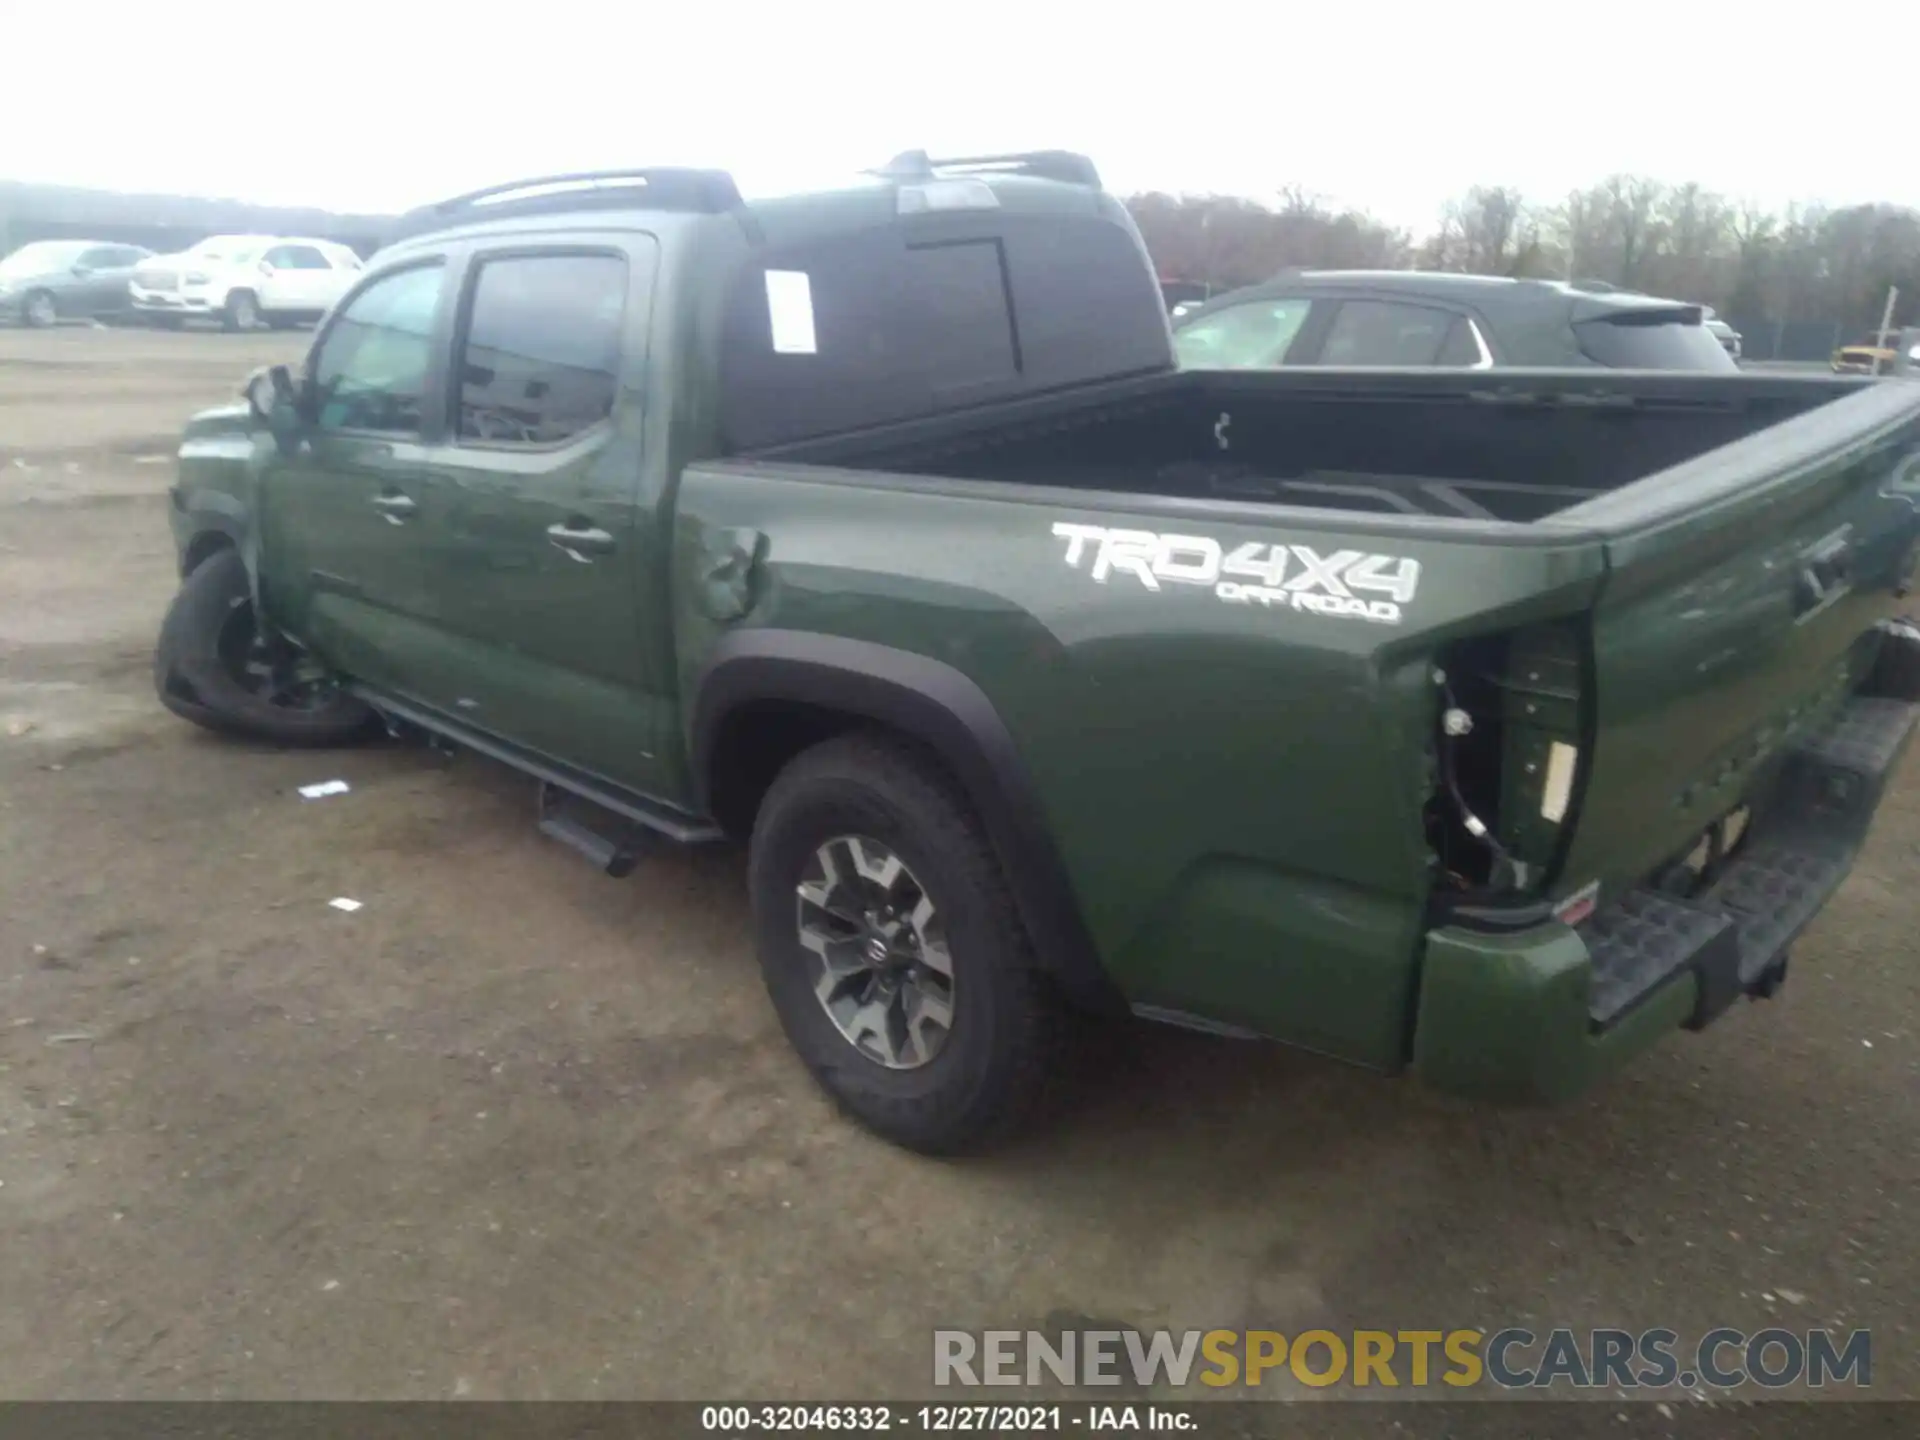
(943, 709)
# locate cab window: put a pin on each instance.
(370, 370)
(540, 360)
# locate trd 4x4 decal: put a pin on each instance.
(1293, 577)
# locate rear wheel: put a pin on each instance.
(39, 310)
(892, 951)
(212, 666)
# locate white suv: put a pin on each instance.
(245, 281)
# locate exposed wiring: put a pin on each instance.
(1449, 780)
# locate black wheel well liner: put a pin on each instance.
(208, 542)
(806, 687)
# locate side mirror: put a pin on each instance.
(80, 272)
(274, 400)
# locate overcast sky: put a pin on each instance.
(1386, 106)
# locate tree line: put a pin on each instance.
(1807, 269)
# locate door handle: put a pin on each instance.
(397, 508)
(580, 542)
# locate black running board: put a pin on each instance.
(665, 820)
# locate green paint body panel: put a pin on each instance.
(1504, 1018)
(1237, 792)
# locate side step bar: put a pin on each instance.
(616, 854)
(1734, 936)
(644, 813)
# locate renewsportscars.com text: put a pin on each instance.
(1511, 1359)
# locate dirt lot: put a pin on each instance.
(514, 1129)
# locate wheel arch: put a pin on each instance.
(765, 695)
(206, 543)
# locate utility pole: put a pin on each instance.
(1886, 323)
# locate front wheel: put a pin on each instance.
(242, 311)
(892, 950)
(213, 667)
(39, 310)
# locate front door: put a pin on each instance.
(295, 279)
(549, 559)
(344, 514)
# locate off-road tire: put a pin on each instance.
(985, 1078)
(197, 683)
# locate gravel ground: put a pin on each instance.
(513, 1129)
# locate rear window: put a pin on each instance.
(856, 329)
(1659, 342)
(963, 288)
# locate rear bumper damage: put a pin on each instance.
(1539, 1013)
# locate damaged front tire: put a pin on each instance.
(213, 667)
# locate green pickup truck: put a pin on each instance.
(1483, 725)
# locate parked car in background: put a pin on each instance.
(1184, 295)
(46, 281)
(245, 281)
(1425, 318)
(1728, 337)
(1874, 355)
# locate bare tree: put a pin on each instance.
(1805, 270)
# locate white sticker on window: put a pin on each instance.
(790, 308)
(1560, 765)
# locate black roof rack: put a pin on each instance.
(1062, 165)
(659, 188)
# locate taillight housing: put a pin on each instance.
(1511, 721)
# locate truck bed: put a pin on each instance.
(1320, 660)
(1516, 446)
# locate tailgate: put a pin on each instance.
(1740, 609)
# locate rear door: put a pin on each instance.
(100, 281)
(1380, 331)
(542, 542)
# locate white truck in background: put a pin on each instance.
(245, 281)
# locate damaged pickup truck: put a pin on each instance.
(1487, 725)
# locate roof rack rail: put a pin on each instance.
(1062, 165)
(656, 188)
